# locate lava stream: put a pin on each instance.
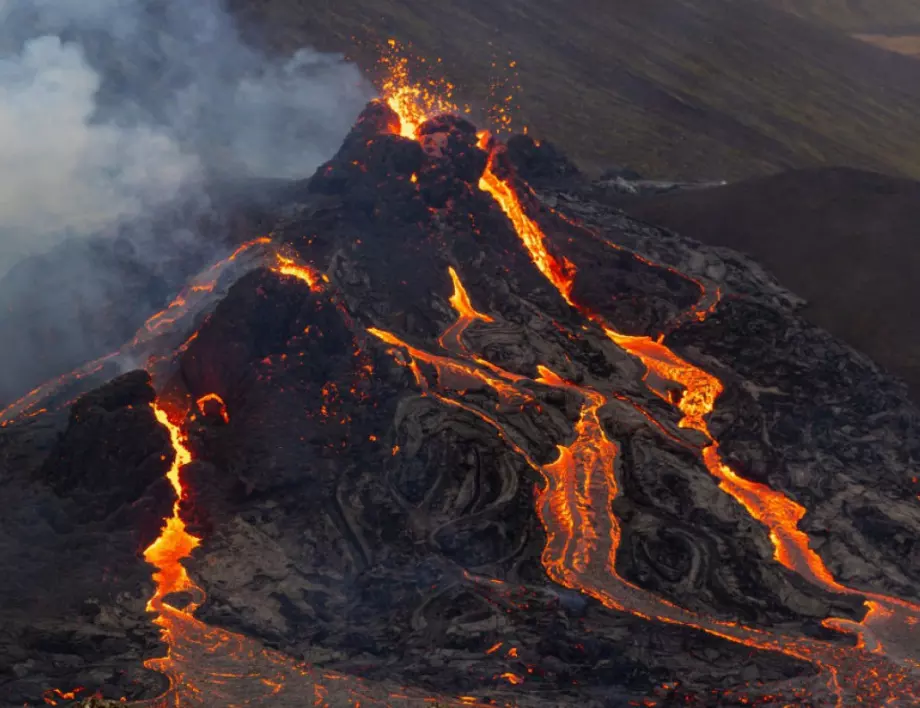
(173, 545)
(460, 301)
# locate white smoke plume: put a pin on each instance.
(120, 123)
(108, 107)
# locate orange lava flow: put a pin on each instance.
(575, 505)
(455, 375)
(288, 266)
(466, 314)
(54, 696)
(695, 398)
(174, 543)
(203, 402)
(560, 273)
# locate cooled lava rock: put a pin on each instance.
(112, 452)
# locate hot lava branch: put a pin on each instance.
(175, 543)
(559, 272)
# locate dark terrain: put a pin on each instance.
(845, 240)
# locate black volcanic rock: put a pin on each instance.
(540, 162)
(454, 156)
(112, 451)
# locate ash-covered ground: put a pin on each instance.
(371, 502)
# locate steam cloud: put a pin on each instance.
(110, 107)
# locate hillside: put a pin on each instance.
(843, 239)
(866, 16)
(893, 25)
(694, 89)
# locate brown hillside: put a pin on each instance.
(690, 88)
(881, 16)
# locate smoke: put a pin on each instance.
(109, 108)
(118, 121)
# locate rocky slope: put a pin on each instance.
(442, 465)
(690, 89)
(859, 16)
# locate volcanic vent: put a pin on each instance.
(453, 441)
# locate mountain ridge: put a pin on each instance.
(681, 90)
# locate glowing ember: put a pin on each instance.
(414, 102)
(55, 696)
(174, 543)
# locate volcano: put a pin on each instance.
(453, 434)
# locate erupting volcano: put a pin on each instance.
(448, 439)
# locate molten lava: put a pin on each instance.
(55, 696)
(174, 543)
(413, 101)
(561, 273)
(290, 267)
(467, 315)
(211, 401)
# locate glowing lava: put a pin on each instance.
(205, 402)
(466, 314)
(290, 267)
(174, 543)
(414, 102)
(561, 273)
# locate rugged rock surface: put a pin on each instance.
(359, 510)
(81, 499)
